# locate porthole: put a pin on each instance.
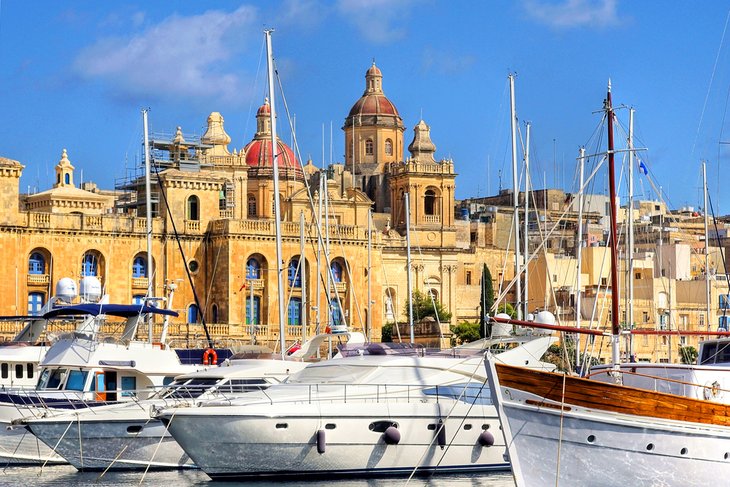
(134, 429)
(431, 427)
(485, 426)
(330, 426)
(650, 446)
(683, 451)
(726, 456)
(467, 427)
(591, 438)
(193, 266)
(281, 426)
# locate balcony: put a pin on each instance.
(39, 279)
(140, 282)
(340, 287)
(226, 214)
(192, 226)
(431, 219)
(255, 284)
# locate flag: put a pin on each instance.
(643, 168)
(242, 286)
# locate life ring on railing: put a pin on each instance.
(712, 391)
(210, 357)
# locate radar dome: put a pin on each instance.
(66, 289)
(501, 329)
(545, 318)
(90, 288)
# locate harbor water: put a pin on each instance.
(68, 476)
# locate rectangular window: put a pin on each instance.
(129, 385)
(637, 275)
(724, 301)
(18, 371)
(645, 316)
(30, 370)
(4, 371)
(468, 278)
(702, 319)
(76, 380)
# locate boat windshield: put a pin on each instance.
(188, 388)
(51, 379)
(76, 380)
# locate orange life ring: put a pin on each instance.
(210, 357)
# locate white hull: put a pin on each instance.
(118, 445)
(226, 444)
(20, 447)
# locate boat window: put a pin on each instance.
(470, 393)
(55, 379)
(242, 385)
(18, 371)
(723, 354)
(45, 373)
(4, 368)
(30, 370)
(76, 380)
(709, 350)
(192, 389)
(129, 385)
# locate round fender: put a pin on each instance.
(321, 441)
(391, 435)
(486, 439)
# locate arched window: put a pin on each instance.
(253, 310)
(253, 269)
(369, 147)
(193, 208)
(36, 263)
(192, 314)
(214, 313)
(336, 271)
(35, 303)
(251, 205)
(295, 312)
(67, 178)
(90, 264)
(295, 275)
(139, 266)
(429, 202)
(388, 147)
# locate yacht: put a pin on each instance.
(123, 436)
(363, 415)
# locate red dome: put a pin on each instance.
(264, 109)
(258, 154)
(373, 71)
(374, 104)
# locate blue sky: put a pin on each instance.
(76, 74)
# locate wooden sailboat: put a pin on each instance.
(564, 430)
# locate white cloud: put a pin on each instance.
(445, 62)
(180, 56)
(567, 14)
(377, 19)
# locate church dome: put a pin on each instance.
(258, 151)
(373, 102)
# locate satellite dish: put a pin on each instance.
(90, 289)
(66, 289)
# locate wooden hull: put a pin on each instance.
(563, 430)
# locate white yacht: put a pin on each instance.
(361, 415)
(123, 436)
(82, 370)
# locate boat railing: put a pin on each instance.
(35, 403)
(470, 392)
(664, 384)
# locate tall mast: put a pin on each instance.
(579, 258)
(707, 243)
(277, 203)
(515, 194)
(630, 240)
(318, 291)
(615, 329)
(370, 295)
(148, 205)
(409, 284)
(303, 277)
(526, 252)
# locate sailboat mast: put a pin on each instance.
(630, 240)
(370, 294)
(707, 243)
(148, 205)
(526, 247)
(303, 277)
(409, 283)
(515, 195)
(277, 203)
(579, 259)
(615, 329)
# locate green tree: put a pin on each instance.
(486, 301)
(688, 354)
(464, 333)
(386, 333)
(424, 306)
